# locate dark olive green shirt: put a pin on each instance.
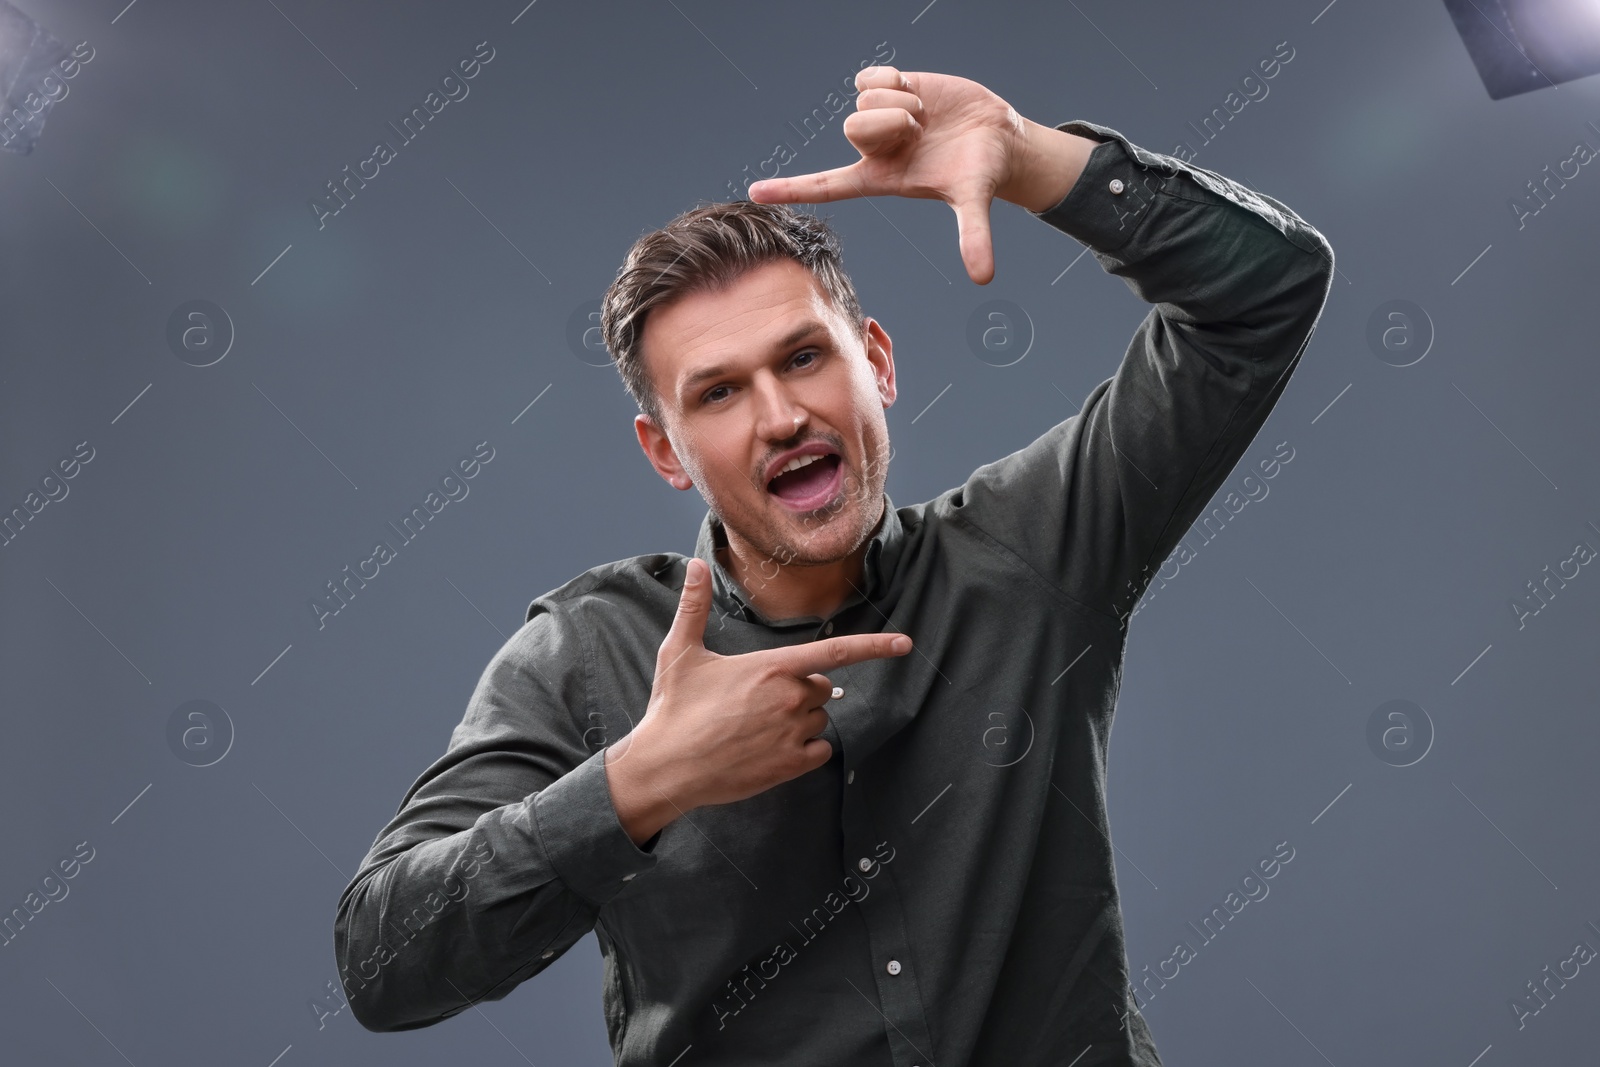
(942, 892)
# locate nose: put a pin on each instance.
(779, 418)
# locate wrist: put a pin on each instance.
(1047, 164)
(639, 792)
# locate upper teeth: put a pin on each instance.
(797, 463)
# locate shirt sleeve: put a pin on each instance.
(1237, 281)
(501, 854)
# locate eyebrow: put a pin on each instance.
(787, 341)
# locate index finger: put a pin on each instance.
(819, 657)
(840, 183)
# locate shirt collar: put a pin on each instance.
(883, 553)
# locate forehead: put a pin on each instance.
(740, 326)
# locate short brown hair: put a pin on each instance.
(707, 249)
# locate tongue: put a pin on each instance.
(799, 484)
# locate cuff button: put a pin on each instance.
(1117, 187)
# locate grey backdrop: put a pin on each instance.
(427, 315)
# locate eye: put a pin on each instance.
(813, 353)
(711, 394)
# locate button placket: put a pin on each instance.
(882, 911)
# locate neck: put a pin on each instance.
(795, 590)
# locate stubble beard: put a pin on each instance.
(818, 537)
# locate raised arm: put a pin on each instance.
(1237, 281)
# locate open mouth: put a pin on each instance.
(810, 485)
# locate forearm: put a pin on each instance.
(435, 918)
(449, 919)
(1235, 268)
(1237, 281)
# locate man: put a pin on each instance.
(797, 838)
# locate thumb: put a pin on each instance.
(977, 246)
(694, 605)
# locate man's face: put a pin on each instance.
(763, 371)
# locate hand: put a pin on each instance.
(722, 728)
(930, 136)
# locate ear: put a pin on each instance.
(659, 451)
(880, 353)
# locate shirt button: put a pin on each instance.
(864, 863)
(547, 953)
(627, 878)
(1117, 186)
(893, 967)
(827, 627)
(849, 776)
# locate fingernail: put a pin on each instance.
(901, 644)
